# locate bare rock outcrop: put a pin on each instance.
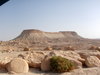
(92, 61)
(33, 58)
(84, 54)
(17, 65)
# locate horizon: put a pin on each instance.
(81, 16)
(50, 32)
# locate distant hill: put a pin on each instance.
(34, 36)
(40, 38)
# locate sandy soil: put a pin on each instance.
(86, 71)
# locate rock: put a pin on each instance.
(17, 65)
(69, 48)
(34, 64)
(84, 54)
(45, 64)
(92, 48)
(98, 48)
(4, 61)
(48, 48)
(67, 54)
(77, 63)
(33, 58)
(26, 49)
(71, 55)
(74, 57)
(92, 61)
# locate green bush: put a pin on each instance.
(60, 64)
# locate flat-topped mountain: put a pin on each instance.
(37, 36)
(38, 39)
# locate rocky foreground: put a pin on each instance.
(37, 62)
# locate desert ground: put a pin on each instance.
(30, 53)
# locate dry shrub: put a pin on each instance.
(60, 64)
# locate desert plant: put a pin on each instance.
(60, 64)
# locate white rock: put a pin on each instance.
(92, 61)
(17, 65)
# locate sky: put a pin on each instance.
(81, 16)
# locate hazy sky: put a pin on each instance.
(82, 16)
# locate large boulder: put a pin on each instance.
(77, 63)
(86, 53)
(45, 64)
(17, 65)
(72, 56)
(92, 61)
(4, 61)
(67, 54)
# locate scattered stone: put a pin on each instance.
(92, 48)
(33, 58)
(55, 47)
(48, 48)
(69, 48)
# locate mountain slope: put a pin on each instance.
(37, 39)
(40, 36)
